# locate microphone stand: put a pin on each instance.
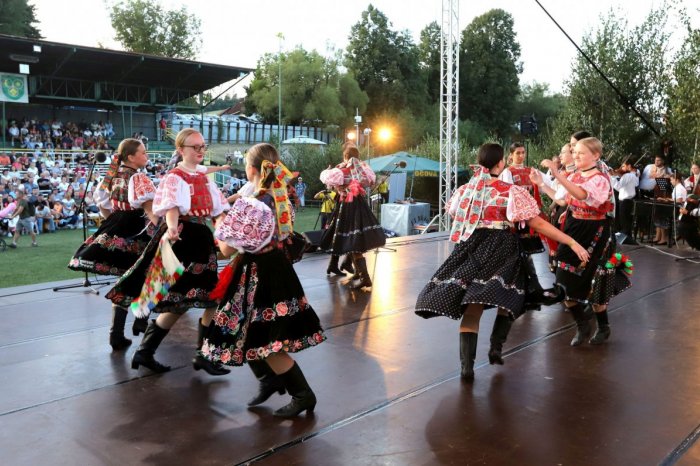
(87, 284)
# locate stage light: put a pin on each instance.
(384, 134)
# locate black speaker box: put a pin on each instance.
(314, 237)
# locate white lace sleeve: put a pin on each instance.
(219, 202)
(141, 190)
(172, 191)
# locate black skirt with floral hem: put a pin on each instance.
(592, 283)
(264, 311)
(486, 269)
(115, 246)
(353, 228)
(197, 252)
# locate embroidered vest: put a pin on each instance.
(582, 210)
(201, 201)
(119, 190)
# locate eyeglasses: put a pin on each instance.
(198, 148)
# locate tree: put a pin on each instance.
(536, 100)
(313, 89)
(18, 19)
(385, 64)
(429, 56)
(147, 27)
(636, 61)
(488, 72)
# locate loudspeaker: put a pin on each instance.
(314, 238)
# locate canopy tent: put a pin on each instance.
(304, 140)
(416, 165)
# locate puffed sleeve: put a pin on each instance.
(102, 200)
(332, 177)
(248, 225)
(201, 169)
(172, 191)
(141, 190)
(219, 202)
(521, 205)
(597, 190)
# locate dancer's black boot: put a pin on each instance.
(200, 362)
(602, 333)
(364, 279)
(139, 326)
(116, 333)
(269, 382)
(583, 324)
(346, 265)
(501, 327)
(151, 340)
(333, 266)
(467, 353)
(303, 398)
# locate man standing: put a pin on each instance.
(327, 198)
(301, 190)
(162, 126)
(626, 186)
(651, 172)
(25, 211)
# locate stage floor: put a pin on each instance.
(387, 381)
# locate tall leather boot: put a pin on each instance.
(139, 326)
(200, 362)
(583, 324)
(364, 279)
(333, 266)
(269, 382)
(346, 265)
(151, 340)
(467, 353)
(303, 398)
(116, 333)
(501, 327)
(602, 333)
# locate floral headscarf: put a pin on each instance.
(111, 171)
(470, 206)
(279, 194)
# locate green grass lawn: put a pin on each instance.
(48, 262)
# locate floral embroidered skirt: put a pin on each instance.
(353, 228)
(115, 246)
(592, 283)
(196, 251)
(486, 269)
(263, 311)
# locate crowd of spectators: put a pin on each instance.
(35, 134)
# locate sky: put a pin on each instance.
(238, 32)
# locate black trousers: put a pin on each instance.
(626, 216)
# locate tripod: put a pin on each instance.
(87, 284)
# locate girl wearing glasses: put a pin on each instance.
(124, 199)
(187, 199)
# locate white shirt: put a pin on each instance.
(648, 182)
(679, 193)
(625, 185)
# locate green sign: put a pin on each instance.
(13, 88)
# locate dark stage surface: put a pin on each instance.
(386, 380)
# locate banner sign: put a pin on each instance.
(13, 88)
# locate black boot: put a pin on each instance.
(467, 353)
(583, 324)
(602, 333)
(347, 264)
(364, 279)
(144, 355)
(116, 332)
(269, 382)
(333, 266)
(139, 326)
(200, 362)
(501, 327)
(303, 397)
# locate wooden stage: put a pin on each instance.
(387, 381)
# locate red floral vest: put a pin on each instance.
(119, 190)
(201, 203)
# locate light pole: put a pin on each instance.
(280, 36)
(358, 120)
(367, 132)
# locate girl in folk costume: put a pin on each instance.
(486, 268)
(124, 198)
(263, 315)
(518, 174)
(590, 199)
(187, 199)
(353, 228)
